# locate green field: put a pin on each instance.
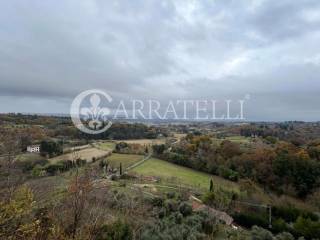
(106, 145)
(236, 139)
(125, 159)
(172, 172)
(29, 157)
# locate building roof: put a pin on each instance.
(34, 146)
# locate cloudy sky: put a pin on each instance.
(201, 49)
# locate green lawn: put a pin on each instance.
(172, 172)
(125, 159)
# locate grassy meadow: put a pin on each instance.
(125, 159)
(172, 172)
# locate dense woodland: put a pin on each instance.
(280, 166)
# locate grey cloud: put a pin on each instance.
(50, 51)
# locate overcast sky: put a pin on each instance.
(203, 49)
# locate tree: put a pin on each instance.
(211, 185)
(16, 220)
(158, 149)
(229, 149)
(117, 230)
(78, 196)
(146, 150)
(9, 149)
(50, 147)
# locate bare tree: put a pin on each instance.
(9, 149)
(78, 196)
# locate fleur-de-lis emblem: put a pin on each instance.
(95, 113)
(95, 116)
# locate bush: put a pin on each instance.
(37, 171)
(80, 162)
(176, 226)
(65, 165)
(185, 209)
(116, 231)
(307, 228)
(28, 165)
(157, 202)
(290, 214)
(279, 225)
(162, 213)
(103, 163)
(171, 195)
(258, 233)
(271, 139)
(171, 205)
(219, 198)
(251, 219)
(114, 177)
(284, 236)
(228, 173)
(52, 169)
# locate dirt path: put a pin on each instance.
(140, 162)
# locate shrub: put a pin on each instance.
(27, 166)
(219, 198)
(279, 225)
(80, 162)
(271, 139)
(251, 219)
(162, 213)
(118, 230)
(157, 202)
(176, 226)
(103, 163)
(171, 195)
(52, 169)
(284, 236)
(227, 173)
(185, 209)
(307, 228)
(65, 165)
(171, 205)
(114, 177)
(290, 213)
(37, 171)
(258, 233)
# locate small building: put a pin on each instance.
(33, 148)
